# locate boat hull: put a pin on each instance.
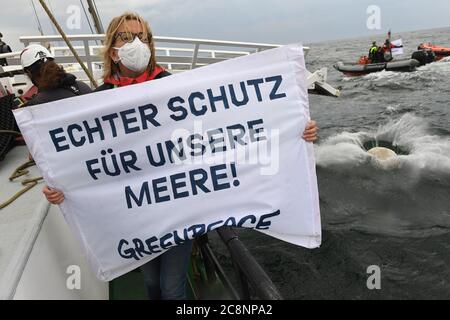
(440, 52)
(354, 69)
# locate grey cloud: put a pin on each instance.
(271, 21)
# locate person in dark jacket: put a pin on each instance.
(52, 81)
(4, 48)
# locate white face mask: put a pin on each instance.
(134, 55)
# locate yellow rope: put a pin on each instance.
(28, 183)
(21, 170)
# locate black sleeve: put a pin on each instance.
(105, 86)
(36, 99)
(163, 74)
(84, 88)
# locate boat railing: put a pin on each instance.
(252, 280)
(176, 54)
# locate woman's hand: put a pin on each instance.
(53, 196)
(310, 133)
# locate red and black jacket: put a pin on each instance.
(116, 81)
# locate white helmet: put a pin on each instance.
(33, 53)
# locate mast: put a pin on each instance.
(97, 23)
(37, 19)
(72, 49)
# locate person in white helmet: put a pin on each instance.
(52, 81)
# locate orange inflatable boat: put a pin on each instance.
(440, 52)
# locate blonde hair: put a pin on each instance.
(109, 67)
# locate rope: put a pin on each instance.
(28, 183)
(87, 19)
(10, 132)
(37, 19)
(21, 170)
(63, 35)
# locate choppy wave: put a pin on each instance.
(406, 200)
(396, 217)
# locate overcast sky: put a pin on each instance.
(270, 21)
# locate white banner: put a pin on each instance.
(397, 51)
(147, 166)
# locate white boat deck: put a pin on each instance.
(20, 222)
(38, 254)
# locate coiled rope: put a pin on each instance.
(18, 172)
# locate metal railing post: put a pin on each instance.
(88, 56)
(195, 55)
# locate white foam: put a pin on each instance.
(426, 151)
(441, 67)
(344, 148)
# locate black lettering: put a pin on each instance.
(91, 130)
(139, 247)
(215, 176)
(56, 140)
(127, 253)
(241, 222)
(196, 146)
(178, 240)
(176, 185)
(273, 94)
(235, 134)
(244, 99)
(162, 241)
(255, 131)
(197, 230)
(222, 97)
(148, 117)
(200, 96)
(127, 121)
(110, 118)
(213, 141)
(231, 222)
(70, 129)
(179, 108)
(144, 194)
(255, 83)
(212, 225)
(151, 159)
(171, 149)
(152, 248)
(91, 170)
(200, 183)
(262, 224)
(130, 163)
(158, 189)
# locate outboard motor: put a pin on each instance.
(424, 56)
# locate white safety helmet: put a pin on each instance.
(33, 53)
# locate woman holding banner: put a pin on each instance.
(129, 58)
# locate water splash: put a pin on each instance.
(410, 199)
(426, 151)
